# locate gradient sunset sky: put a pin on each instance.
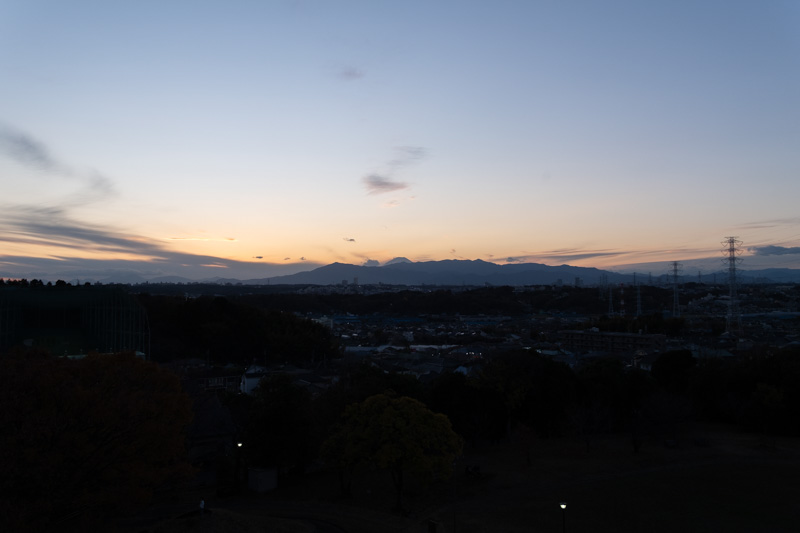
(253, 138)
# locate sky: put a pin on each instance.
(247, 139)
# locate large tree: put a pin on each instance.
(280, 430)
(398, 434)
(85, 441)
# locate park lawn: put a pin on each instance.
(225, 521)
(714, 480)
(730, 483)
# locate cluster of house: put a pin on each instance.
(427, 347)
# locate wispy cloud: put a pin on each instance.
(385, 181)
(769, 224)
(53, 227)
(377, 184)
(28, 151)
(60, 236)
(569, 254)
(31, 153)
(56, 241)
(774, 250)
(407, 155)
(350, 74)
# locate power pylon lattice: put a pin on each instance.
(676, 269)
(610, 300)
(731, 249)
(638, 301)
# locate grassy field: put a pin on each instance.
(710, 480)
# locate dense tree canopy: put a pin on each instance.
(232, 330)
(85, 440)
(398, 434)
(280, 427)
(537, 390)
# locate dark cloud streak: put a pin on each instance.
(563, 255)
(28, 151)
(351, 74)
(53, 228)
(774, 250)
(376, 184)
(379, 183)
(33, 154)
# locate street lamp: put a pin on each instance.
(563, 506)
(236, 469)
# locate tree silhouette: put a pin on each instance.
(280, 429)
(398, 434)
(84, 441)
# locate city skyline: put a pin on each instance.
(256, 139)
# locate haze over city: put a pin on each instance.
(250, 139)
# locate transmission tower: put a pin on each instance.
(731, 249)
(676, 269)
(638, 301)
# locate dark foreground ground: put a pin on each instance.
(709, 480)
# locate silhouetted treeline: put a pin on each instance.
(73, 429)
(472, 301)
(23, 282)
(492, 301)
(503, 300)
(232, 330)
(525, 396)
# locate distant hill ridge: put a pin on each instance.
(446, 272)
(401, 271)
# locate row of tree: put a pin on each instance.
(86, 440)
(230, 330)
(23, 282)
(388, 421)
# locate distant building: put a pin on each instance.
(251, 378)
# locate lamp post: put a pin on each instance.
(563, 506)
(236, 469)
(455, 498)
